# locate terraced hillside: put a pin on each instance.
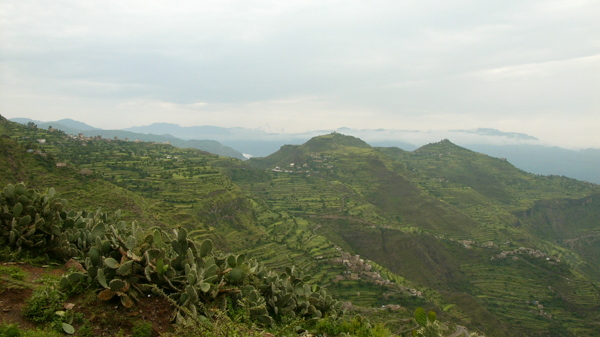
(452, 220)
(490, 247)
(170, 187)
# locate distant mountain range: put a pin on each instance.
(74, 127)
(524, 151)
(68, 125)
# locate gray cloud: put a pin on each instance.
(519, 66)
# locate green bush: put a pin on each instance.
(14, 272)
(356, 326)
(41, 307)
(141, 329)
(7, 254)
(10, 330)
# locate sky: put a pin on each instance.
(293, 66)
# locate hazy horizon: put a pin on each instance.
(417, 138)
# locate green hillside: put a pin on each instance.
(484, 244)
(454, 221)
(168, 186)
(171, 187)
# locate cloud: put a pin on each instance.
(305, 64)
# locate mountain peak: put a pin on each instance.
(442, 145)
(298, 153)
(334, 140)
(71, 123)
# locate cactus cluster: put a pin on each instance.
(126, 262)
(39, 223)
(199, 279)
(428, 325)
(281, 297)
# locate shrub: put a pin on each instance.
(355, 326)
(14, 272)
(41, 307)
(10, 330)
(141, 329)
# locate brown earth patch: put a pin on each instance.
(106, 318)
(14, 293)
(12, 302)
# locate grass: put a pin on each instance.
(13, 272)
(11, 330)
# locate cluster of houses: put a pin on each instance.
(43, 154)
(358, 268)
(526, 251)
(81, 137)
(289, 170)
(279, 169)
(38, 152)
(470, 243)
(298, 168)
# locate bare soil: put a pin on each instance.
(105, 318)
(14, 293)
(11, 306)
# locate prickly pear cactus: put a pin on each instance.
(428, 326)
(125, 262)
(35, 222)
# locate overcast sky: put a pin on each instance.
(518, 66)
